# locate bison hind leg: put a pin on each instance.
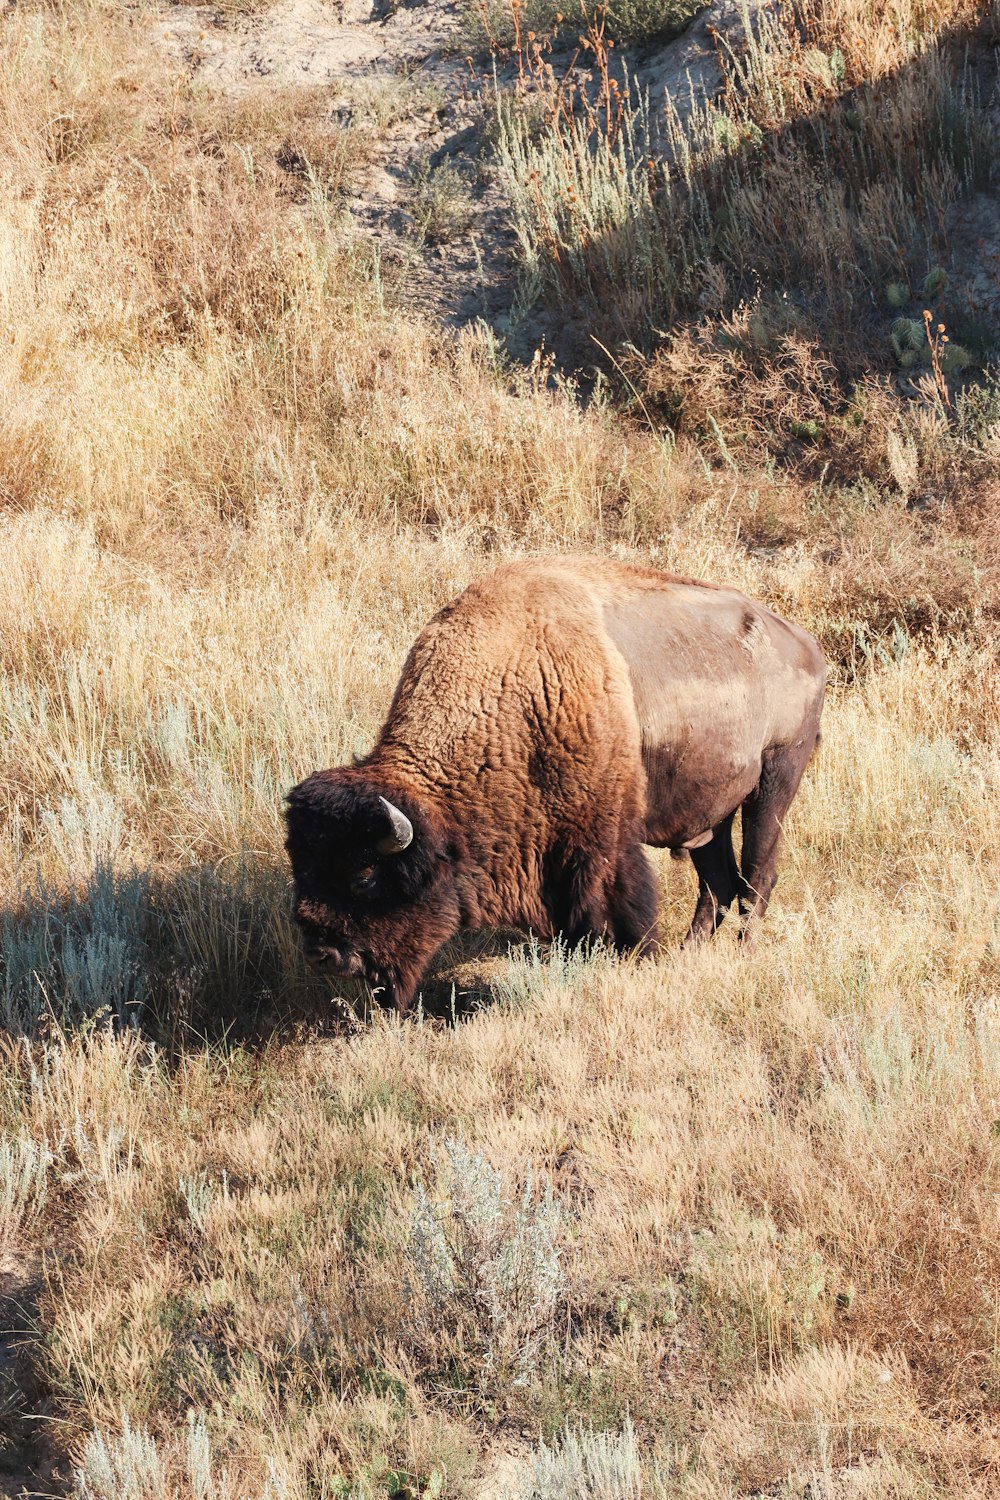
(764, 813)
(719, 881)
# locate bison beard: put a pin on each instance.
(548, 723)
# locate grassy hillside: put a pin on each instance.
(715, 1225)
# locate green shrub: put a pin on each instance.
(484, 1269)
(584, 1465)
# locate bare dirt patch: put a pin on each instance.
(398, 78)
(424, 193)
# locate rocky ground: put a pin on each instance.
(397, 75)
(403, 74)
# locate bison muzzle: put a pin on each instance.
(550, 721)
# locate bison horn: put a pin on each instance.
(402, 830)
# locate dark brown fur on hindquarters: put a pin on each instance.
(556, 717)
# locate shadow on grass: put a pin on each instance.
(29, 1460)
(645, 231)
(202, 956)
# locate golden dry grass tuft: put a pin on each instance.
(710, 1225)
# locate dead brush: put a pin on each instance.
(760, 375)
(937, 341)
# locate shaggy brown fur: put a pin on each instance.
(558, 715)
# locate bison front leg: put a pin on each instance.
(632, 902)
(608, 898)
(413, 956)
(396, 993)
(719, 882)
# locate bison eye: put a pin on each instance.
(364, 883)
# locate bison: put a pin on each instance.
(554, 718)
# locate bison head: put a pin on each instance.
(373, 894)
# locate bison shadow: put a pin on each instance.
(203, 955)
(28, 1453)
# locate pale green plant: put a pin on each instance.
(84, 833)
(533, 968)
(977, 414)
(132, 1465)
(199, 1458)
(486, 1264)
(71, 956)
(127, 1466)
(584, 1465)
(24, 1168)
(441, 203)
(587, 219)
(199, 1192)
(380, 100)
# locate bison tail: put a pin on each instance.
(815, 749)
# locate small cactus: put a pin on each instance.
(897, 294)
(817, 65)
(808, 431)
(908, 338)
(935, 282)
(953, 358)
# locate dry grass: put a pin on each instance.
(738, 1213)
(864, 123)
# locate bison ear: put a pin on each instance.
(399, 835)
(296, 798)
